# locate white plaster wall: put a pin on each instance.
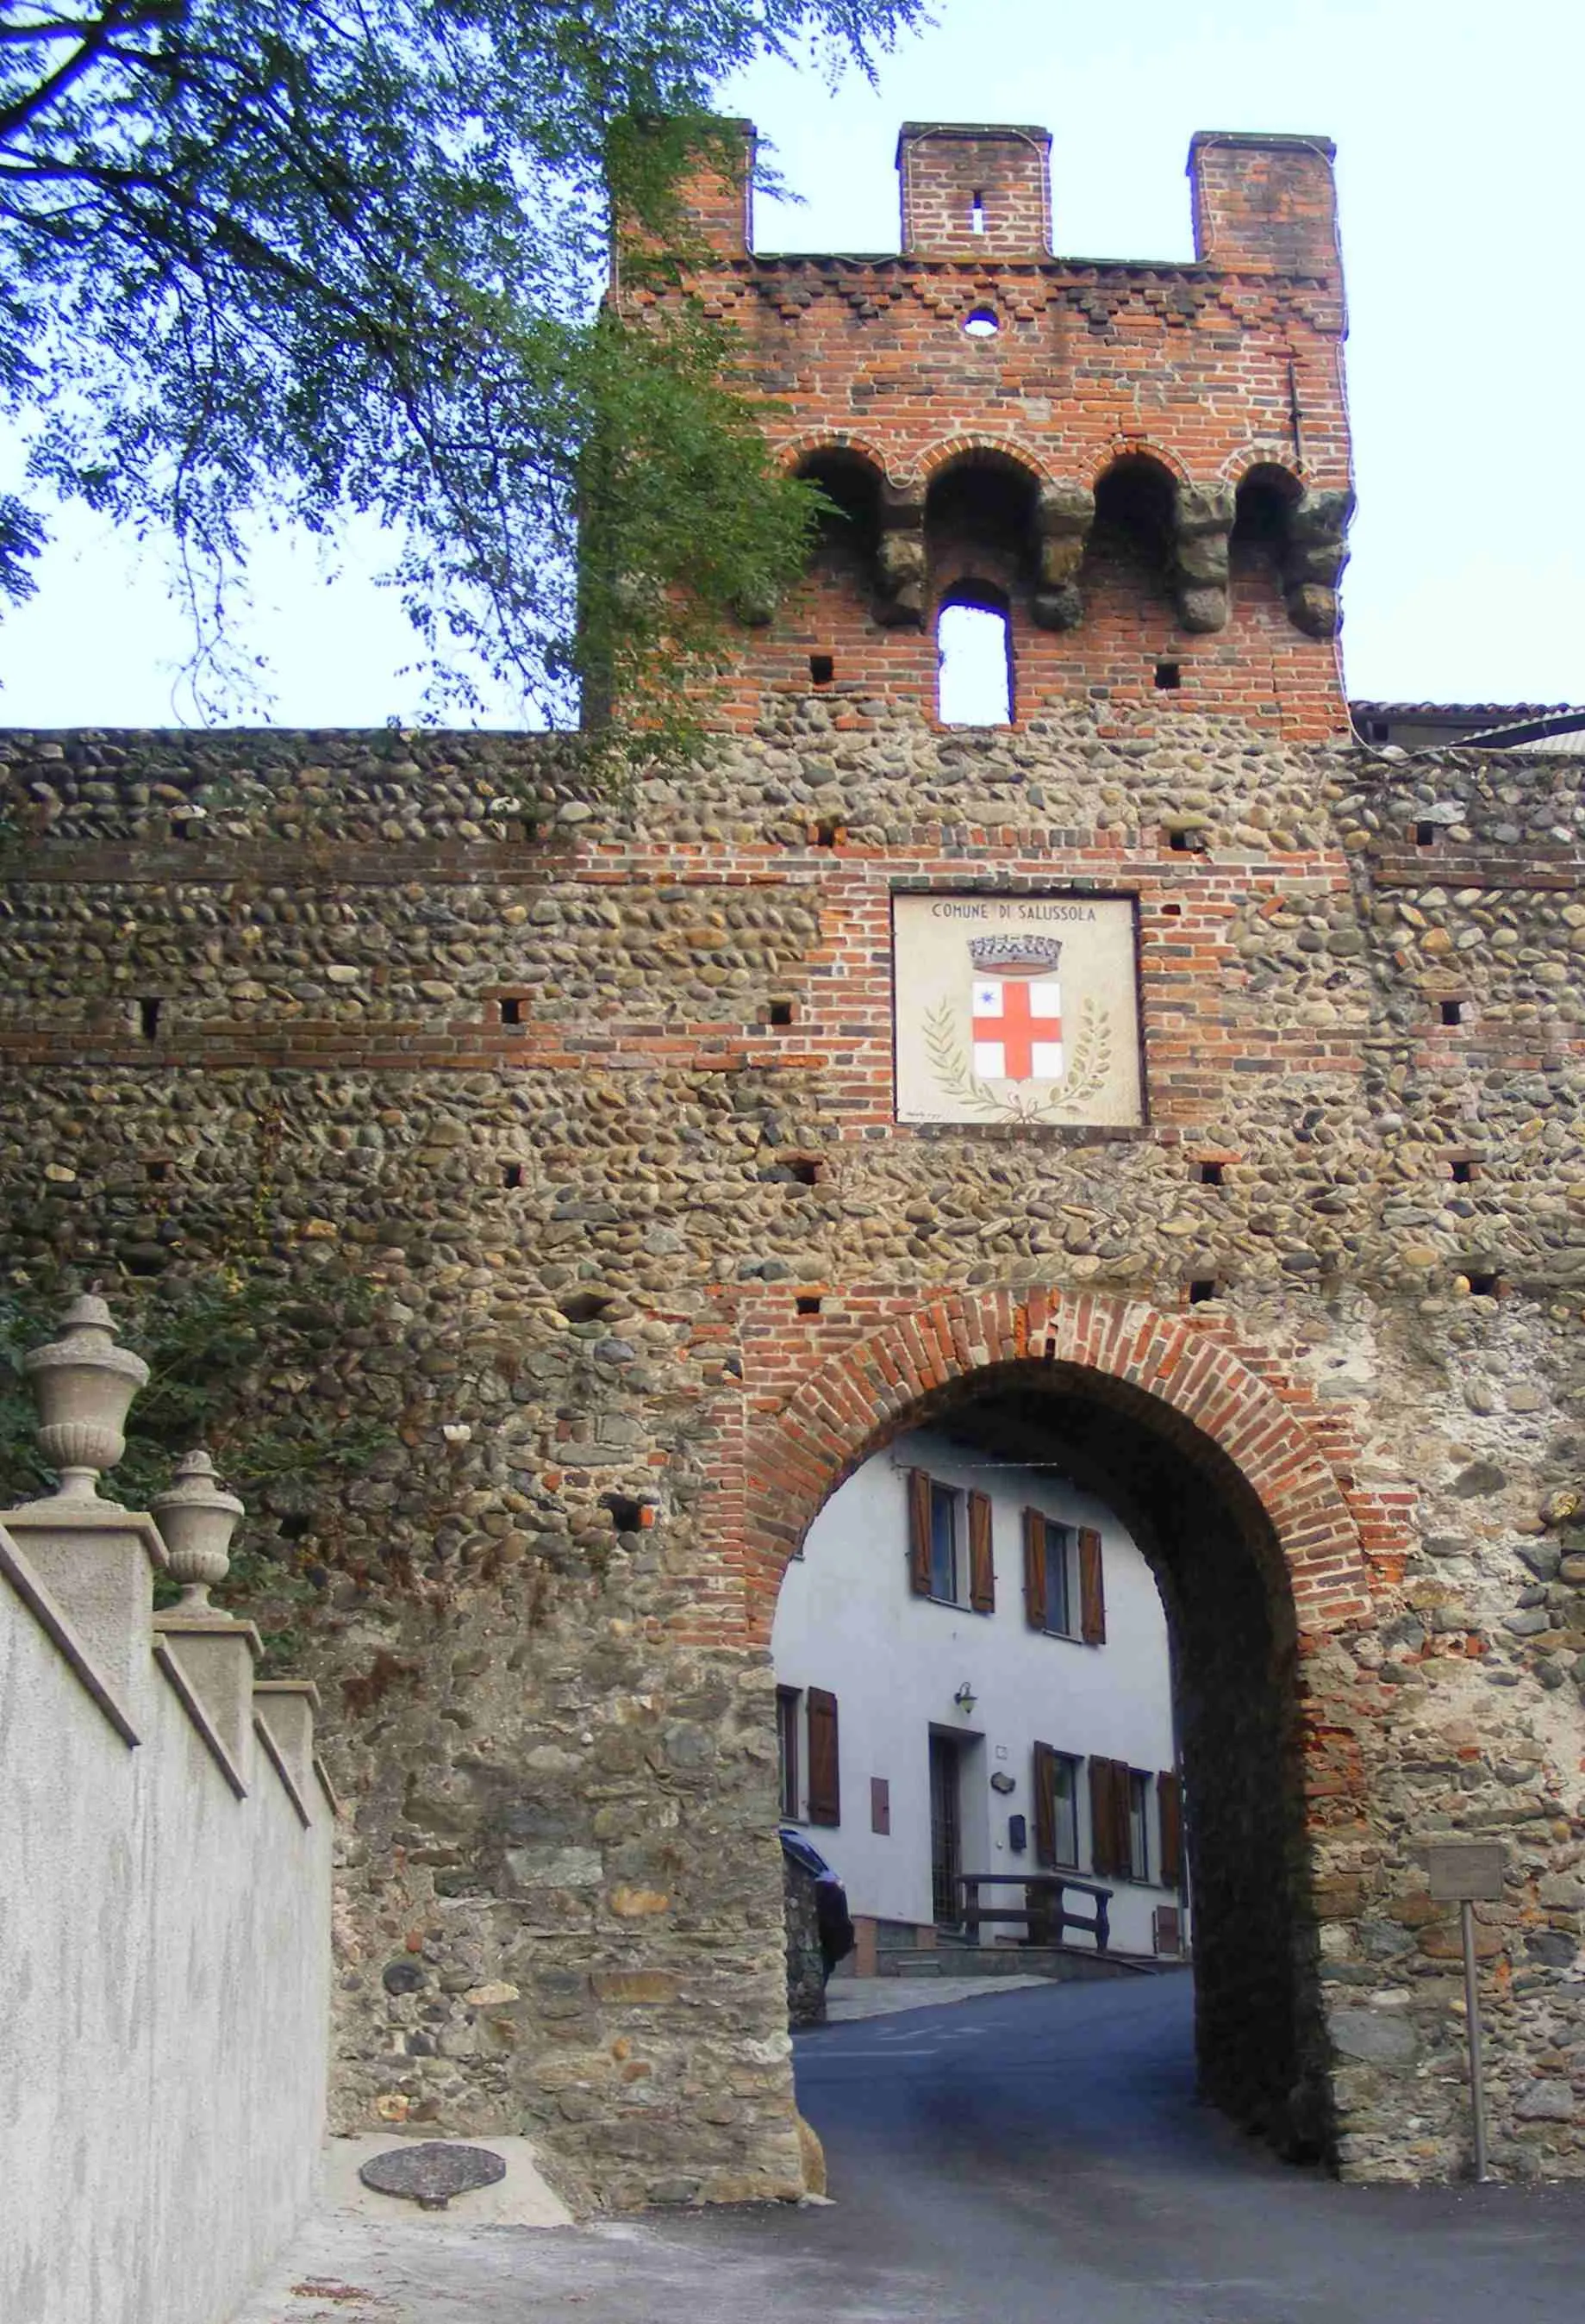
(846, 1621)
(164, 1959)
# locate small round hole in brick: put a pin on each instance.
(983, 323)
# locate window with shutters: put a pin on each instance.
(1064, 1581)
(1056, 1809)
(951, 1553)
(789, 1757)
(825, 1788)
(1110, 1811)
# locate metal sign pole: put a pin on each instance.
(1466, 1873)
(1473, 2022)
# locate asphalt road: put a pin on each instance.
(1032, 2158)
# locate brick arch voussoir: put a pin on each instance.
(940, 457)
(791, 454)
(1250, 456)
(861, 1397)
(1107, 456)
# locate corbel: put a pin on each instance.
(899, 558)
(1063, 514)
(1203, 521)
(1313, 560)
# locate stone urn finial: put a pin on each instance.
(195, 1521)
(83, 1385)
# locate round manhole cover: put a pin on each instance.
(429, 2174)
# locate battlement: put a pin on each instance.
(1141, 471)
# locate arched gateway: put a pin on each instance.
(1256, 1552)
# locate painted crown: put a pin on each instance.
(1015, 955)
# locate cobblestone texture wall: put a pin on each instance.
(506, 1055)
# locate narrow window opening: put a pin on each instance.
(1202, 1288)
(1168, 676)
(510, 1012)
(808, 1303)
(1210, 1173)
(512, 1174)
(1426, 834)
(1483, 1283)
(1452, 1012)
(780, 1013)
(943, 1543)
(976, 212)
(148, 1018)
(974, 647)
(822, 668)
(1465, 1172)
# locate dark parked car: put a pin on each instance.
(832, 1917)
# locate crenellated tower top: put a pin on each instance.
(1139, 469)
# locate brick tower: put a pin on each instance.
(1143, 467)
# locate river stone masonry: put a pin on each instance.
(544, 1664)
(593, 1103)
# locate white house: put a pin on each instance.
(973, 1679)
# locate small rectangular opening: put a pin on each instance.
(1380, 731)
(1465, 1172)
(1169, 675)
(977, 211)
(1452, 1012)
(159, 1170)
(808, 1303)
(829, 832)
(148, 1018)
(822, 668)
(512, 1174)
(1210, 1173)
(1171, 911)
(780, 1013)
(1426, 834)
(1202, 1288)
(805, 1169)
(511, 1012)
(1178, 841)
(1484, 1282)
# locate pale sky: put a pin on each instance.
(1459, 132)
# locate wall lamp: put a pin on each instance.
(965, 1699)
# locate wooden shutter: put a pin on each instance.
(1109, 1852)
(1045, 1806)
(825, 1787)
(1092, 1595)
(982, 1571)
(1034, 1608)
(919, 1533)
(1169, 1800)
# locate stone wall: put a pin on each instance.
(650, 1270)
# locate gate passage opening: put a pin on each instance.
(1035, 1691)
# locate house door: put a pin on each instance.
(946, 1831)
